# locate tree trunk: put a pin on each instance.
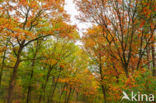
(153, 60)
(148, 58)
(40, 96)
(45, 84)
(101, 73)
(62, 92)
(117, 76)
(104, 93)
(50, 99)
(30, 87)
(68, 97)
(12, 81)
(3, 63)
(126, 70)
(31, 76)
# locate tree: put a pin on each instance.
(121, 28)
(146, 15)
(28, 23)
(118, 34)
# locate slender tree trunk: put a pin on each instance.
(148, 57)
(50, 99)
(101, 73)
(104, 93)
(153, 60)
(29, 88)
(3, 63)
(31, 76)
(68, 97)
(12, 81)
(117, 76)
(126, 70)
(40, 96)
(32, 73)
(62, 92)
(45, 84)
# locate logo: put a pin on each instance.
(138, 97)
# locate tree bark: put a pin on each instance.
(153, 60)
(104, 93)
(12, 81)
(101, 73)
(148, 57)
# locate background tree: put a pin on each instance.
(121, 28)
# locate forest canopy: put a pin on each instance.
(41, 60)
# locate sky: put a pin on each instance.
(70, 7)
